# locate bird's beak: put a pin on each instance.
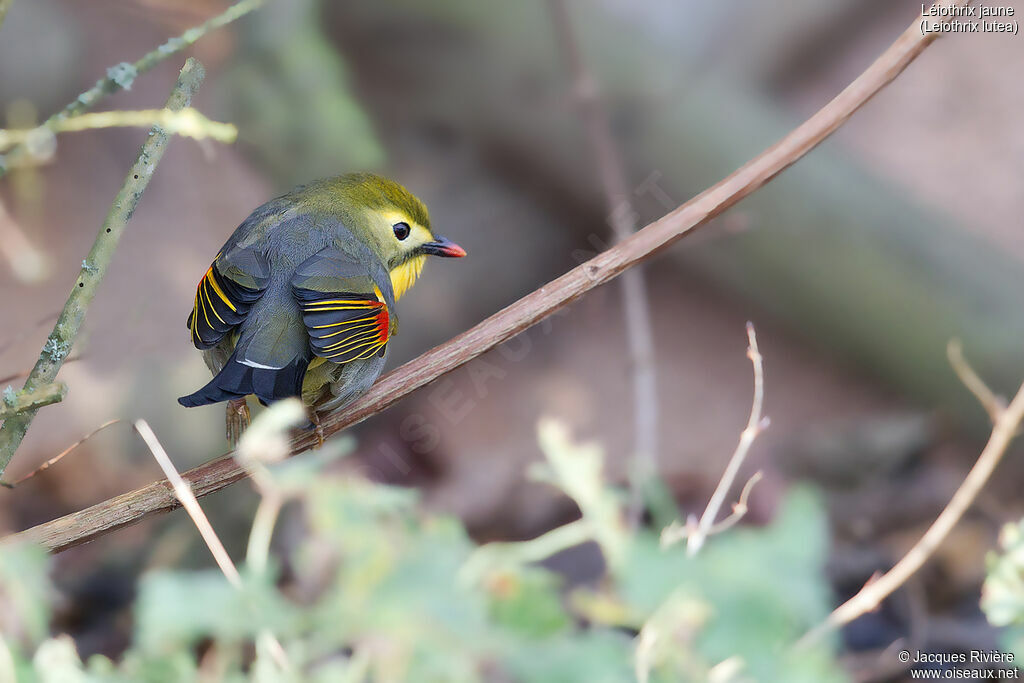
(442, 246)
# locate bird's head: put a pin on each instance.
(395, 224)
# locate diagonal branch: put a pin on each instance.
(215, 475)
(94, 267)
(188, 500)
(57, 458)
(1006, 423)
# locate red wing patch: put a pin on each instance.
(344, 327)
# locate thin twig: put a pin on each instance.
(676, 532)
(128, 508)
(57, 458)
(635, 304)
(188, 500)
(14, 403)
(266, 442)
(121, 76)
(258, 550)
(187, 122)
(755, 425)
(871, 595)
(94, 267)
(994, 405)
(739, 508)
(184, 494)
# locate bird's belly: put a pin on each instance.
(319, 375)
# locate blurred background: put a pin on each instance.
(857, 266)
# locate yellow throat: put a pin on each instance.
(403, 277)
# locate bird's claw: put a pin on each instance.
(318, 428)
(237, 420)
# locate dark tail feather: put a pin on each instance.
(236, 380)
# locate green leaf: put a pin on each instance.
(577, 469)
(1002, 595)
(175, 610)
(527, 601)
(57, 661)
(25, 592)
(763, 587)
(591, 656)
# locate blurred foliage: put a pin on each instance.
(377, 589)
(1002, 596)
(288, 91)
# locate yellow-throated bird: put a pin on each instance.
(300, 301)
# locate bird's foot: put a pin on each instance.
(237, 420)
(318, 428)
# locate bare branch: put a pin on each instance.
(94, 267)
(871, 595)
(635, 305)
(676, 532)
(755, 425)
(57, 458)
(739, 508)
(993, 405)
(215, 475)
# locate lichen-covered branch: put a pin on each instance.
(14, 402)
(129, 508)
(94, 267)
(121, 76)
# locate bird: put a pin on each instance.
(300, 300)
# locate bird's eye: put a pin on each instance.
(401, 230)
